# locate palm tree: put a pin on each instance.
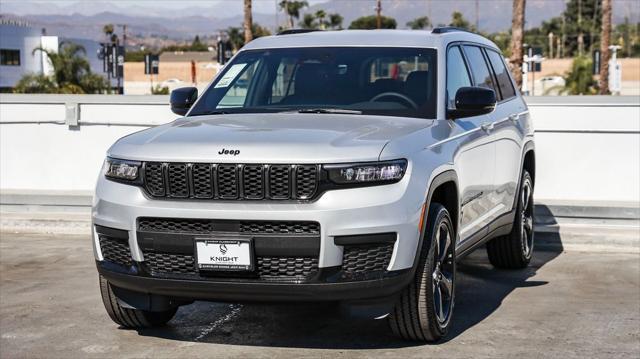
(605, 40)
(320, 15)
(419, 23)
(335, 21)
(517, 39)
(71, 73)
(292, 8)
(248, 22)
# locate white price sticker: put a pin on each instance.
(230, 75)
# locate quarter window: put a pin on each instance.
(457, 75)
(504, 81)
(481, 74)
(9, 57)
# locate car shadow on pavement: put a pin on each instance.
(480, 291)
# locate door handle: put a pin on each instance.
(514, 117)
(487, 126)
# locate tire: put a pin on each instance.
(514, 251)
(417, 316)
(131, 318)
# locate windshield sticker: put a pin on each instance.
(230, 75)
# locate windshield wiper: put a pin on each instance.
(330, 110)
(211, 112)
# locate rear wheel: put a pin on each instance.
(514, 250)
(424, 310)
(131, 318)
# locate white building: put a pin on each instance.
(17, 58)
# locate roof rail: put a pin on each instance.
(448, 29)
(297, 31)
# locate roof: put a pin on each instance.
(388, 38)
(187, 56)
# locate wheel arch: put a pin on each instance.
(529, 160)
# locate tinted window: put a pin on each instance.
(504, 81)
(9, 57)
(383, 81)
(481, 73)
(457, 74)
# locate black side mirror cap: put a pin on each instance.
(473, 101)
(182, 99)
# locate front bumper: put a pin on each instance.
(392, 208)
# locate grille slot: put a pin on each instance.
(178, 182)
(115, 250)
(202, 226)
(231, 181)
(202, 180)
(228, 181)
(154, 178)
(286, 267)
(366, 258)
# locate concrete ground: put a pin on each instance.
(571, 304)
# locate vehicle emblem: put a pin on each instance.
(225, 151)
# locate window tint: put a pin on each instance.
(457, 75)
(481, 73)
(504, 81)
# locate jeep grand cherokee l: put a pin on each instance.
(347, 166)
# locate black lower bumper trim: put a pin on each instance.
(252, 291)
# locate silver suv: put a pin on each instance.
(348, 166)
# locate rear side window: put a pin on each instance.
(481, 74)
(457, 74)
(504, 81)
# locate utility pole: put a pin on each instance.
(477, 16)
(379, 14)
(605, 39)
(551, 45)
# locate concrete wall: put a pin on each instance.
(588, 148)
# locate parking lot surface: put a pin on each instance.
(569, 304)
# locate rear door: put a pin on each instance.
(475, 159)
(508, 133)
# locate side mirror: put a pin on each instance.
(473, 101)
(182, 99)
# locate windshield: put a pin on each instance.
(354, 80)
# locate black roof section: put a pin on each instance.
(448, 29)
(296, 31)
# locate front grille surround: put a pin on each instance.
(210, 181)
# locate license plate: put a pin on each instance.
(224, 254)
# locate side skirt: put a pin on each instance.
(500, 226)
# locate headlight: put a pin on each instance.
(121, 169)
(367, 173)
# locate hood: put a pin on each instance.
(267, 138)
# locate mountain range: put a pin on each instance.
(85, 19)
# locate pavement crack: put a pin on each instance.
(235, 310)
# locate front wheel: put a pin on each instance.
(424, 310)
(515, 250)
(131, 318)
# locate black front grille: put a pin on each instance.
(231, 181)
(267, 268)
(203, 226)
(366, 258)
(115, 250)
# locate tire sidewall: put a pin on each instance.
(437, 214)
(516, 233)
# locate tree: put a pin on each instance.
(320, 20)
(458, 20)
(579, 80)
(197, 45)
(605, 52)
(419, 23)
(248, 22)
(517, 40)
(370, 22)
(71, 73)
(236, 34)
(109, 31)
(292, 9)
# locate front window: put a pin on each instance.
(358, 80)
